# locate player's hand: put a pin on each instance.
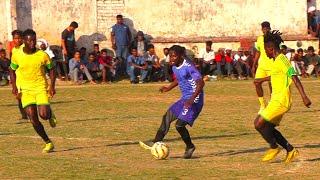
(307, 102)
(51, 92)
(164, 89)
(64, 51)
(15, 91)
(188, 103)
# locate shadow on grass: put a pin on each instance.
(54, 102)
(6, 133)
(313, 160)
(167, 140)
(304, 111)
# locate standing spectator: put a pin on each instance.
(68, 42)
(4, 68)
(136, 65)
(121, 39)
(229, 61)
(312, 21)
(313, 61)
(93, 67)
(77, 69)
(107, 66)
(141, 43)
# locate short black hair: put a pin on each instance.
(274, 37)
(133, 48)
(265, 24)
(209, 43)
(29, 32)
(165, 49)
(300, 50)
(92, 54)
(284, 47)
(150, 46)
(16, 32)
(95, 45)
(77, 51)
(83, 48)
(74, 24)
(179, 50)
(119, 16)
(2, 50)
(310, 48)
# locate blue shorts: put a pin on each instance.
(190, 114)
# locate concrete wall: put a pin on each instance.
(4, 21)
(49, 18)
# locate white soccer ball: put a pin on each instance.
(160, 150)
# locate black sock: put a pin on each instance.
(41, 132)
(282, 141)
(159, 136)
(184, 133)
(267, 133)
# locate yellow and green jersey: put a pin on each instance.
(281, 79)
(30, 69)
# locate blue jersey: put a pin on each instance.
(187, 75)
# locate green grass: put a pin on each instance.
(100, 126)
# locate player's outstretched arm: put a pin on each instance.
(255, 62)
(52, 90)
(300, 88)
(13, 81)
(168, 88)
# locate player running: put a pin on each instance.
(28, 68)
(282, 75)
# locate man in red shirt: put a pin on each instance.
(107, 66)
(219, 59)
(229, 61)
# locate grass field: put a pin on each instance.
(100, 126)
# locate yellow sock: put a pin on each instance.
(262, 103)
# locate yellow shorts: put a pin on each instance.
(274, 112)
(34, 97)
(264, 67)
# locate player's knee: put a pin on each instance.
(44, 115)
(256, 82)
(257, 124)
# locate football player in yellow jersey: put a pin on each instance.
(281, 76)
(31, 62)
(263, 64)
(16, 44)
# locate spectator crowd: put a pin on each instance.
(137, 60)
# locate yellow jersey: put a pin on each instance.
(260, 47)
(30, 69)
(281, 79)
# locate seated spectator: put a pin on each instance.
(136, 66)
(153, 62)
(4, 68)
(96, 50)
(313, 61)
(108, 66)
(83, 55)
(44, 46)
(207, 57)
(1, 45)
(93, 67)
(237, 64)
(229, 61)
(219, 59)
(246, 62)
(60, 65)
(166, 65)
(298, 62)
(77, 69)
(141, 43)
(284, 49)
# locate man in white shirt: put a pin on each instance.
(207, 57)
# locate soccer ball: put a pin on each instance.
(160, 150)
